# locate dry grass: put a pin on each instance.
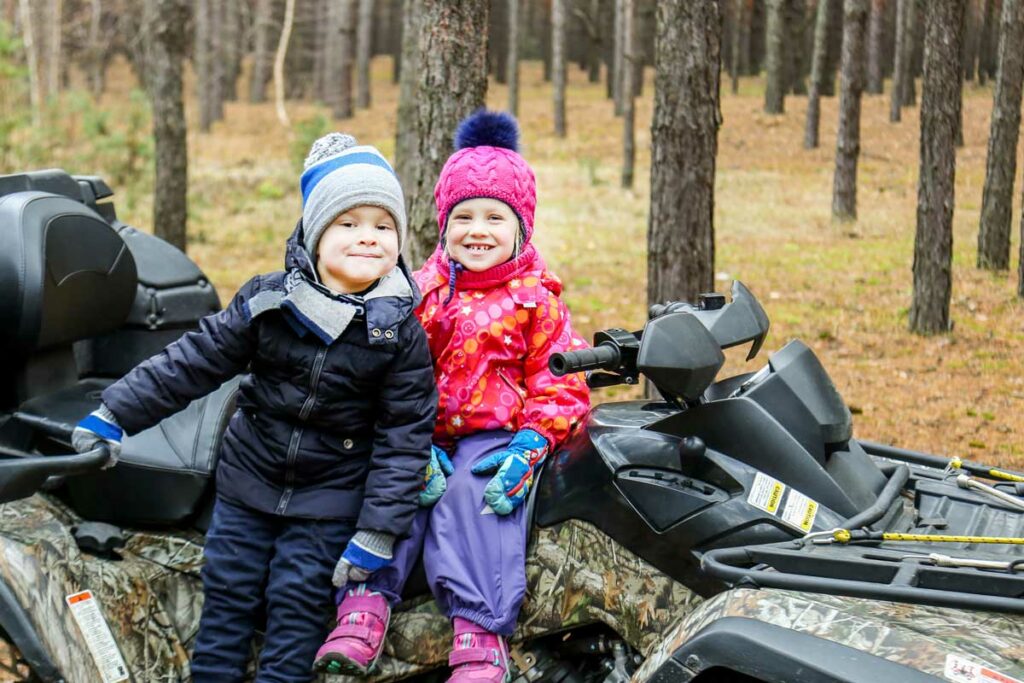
(844, 289)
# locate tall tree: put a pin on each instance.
(279, 57)
(1001, 167)
(451, 82)
(363, 37)
(513, 57)
(32, 57)
(684, 144)
(55, 23)
(202, 57)
(630, 53)
(739, 17)
(558, 12)
(263, 32)
(986, 61)
(900, 68)
(618, 63)
(940, 100)
(844, 186)
(796, 14)
(405, 129)
(775, 68)
(230, 47)
(164, 33)
(818, 63)
(875, 23)
(912, 43)
(338, 54)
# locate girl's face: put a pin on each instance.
(481, 233)
(358, 248)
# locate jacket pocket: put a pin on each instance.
(516, 389)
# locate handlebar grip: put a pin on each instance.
(601, 357)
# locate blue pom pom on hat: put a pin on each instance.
(488, 128)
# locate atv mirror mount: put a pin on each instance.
(22, 477)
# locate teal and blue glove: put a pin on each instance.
(515, 467)
(99, 426)
(434, 483)
(367, 552)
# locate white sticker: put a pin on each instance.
(766, 493)
(97, 636)
(799, 511)
(962, 670)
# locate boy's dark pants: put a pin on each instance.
(252, 557)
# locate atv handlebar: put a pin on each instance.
(601, 357)
(20, 477)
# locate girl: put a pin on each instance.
(493, 318)
(326, 454)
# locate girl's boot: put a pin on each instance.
(357, 641)
(478, 656)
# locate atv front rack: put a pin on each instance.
(906, 573)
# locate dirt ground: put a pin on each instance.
(843, 288)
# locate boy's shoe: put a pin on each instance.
(478, 656)
(357, 641)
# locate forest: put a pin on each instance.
(853, 162)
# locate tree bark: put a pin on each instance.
(164, 31)
(512, 61)
(216, 63)
(844, 186)
(968, 47)
(910, 41)
(451, 82)
(821, 22)
(263, 27)
(405, 130)
(96, 65)
(338, 57)
(594, 31)
(874, 82)
(933, 240)
(558, 11)
(365, 32)
(279, 56)
(201, 58)
(899, 68)
(775, 35)
(618, 63)
(628, 98)
(497, 41)
(1001, 166)
(739, 17)
(796, 12)
(56, 13)
(986, 62)
(230, 44)
(684, 145)
(31, 42)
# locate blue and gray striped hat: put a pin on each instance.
(340, 174)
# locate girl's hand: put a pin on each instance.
(434, 484)
(515, 467)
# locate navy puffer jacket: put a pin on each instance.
(338, 431)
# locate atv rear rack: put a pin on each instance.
(900, 574)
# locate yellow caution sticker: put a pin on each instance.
(799, 511)
(786, 503)
(766, 493)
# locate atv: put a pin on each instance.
(733, 531)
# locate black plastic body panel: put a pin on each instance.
(18, 627)
(778, 655)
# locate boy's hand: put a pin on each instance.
(515, 465)
(99, 426)
(367, 552)
(434, 484)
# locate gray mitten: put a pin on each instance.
(99, 426)
(367, 552)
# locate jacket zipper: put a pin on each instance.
(296, 437)
(520, 393)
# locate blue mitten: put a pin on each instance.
(515, 467)
(99, 426)
(434, 484)
(367, 552)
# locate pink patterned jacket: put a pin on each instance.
(491, 343)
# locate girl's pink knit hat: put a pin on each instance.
(487, 164)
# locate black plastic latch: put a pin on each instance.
(711, 301)
(98, 538)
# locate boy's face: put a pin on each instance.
(359, 247)
(481, 233)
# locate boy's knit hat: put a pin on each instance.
(487, 164)
(341, 174)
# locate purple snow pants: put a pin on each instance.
(475, 560)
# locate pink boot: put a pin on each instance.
(356, 642)
(478, 656)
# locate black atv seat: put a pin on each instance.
(164, 473)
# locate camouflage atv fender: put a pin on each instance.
(918, 636)
(150, 598)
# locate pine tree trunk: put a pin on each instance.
(263, 31)
(164, 31)
(1001, 167)
(397, 40)
(231, 49)
(338, 52)
(594, 31)
(740, 16)
(53, 61)
(821, 23)
(874, 82)
(684, 144)
(899, 68)
(844, 186)
(630, 53)
(513, 56)
(497, 41)
(451, 82)
(28, 33)
(986, 64)
(544, 18)
(201, 58)
(834, 51)
(279, 57)
(558, 67)
(216, 63)
(795, 15)
(968, 48)
(746, 63)
(618, 63)
(365, 33)
(933, 240)
(775, 35)
(910, 43)
(96, 66)
(321, 91)
(405, 130)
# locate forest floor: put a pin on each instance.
(843, 288)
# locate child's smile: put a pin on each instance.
(481, 233)
(358, 248)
